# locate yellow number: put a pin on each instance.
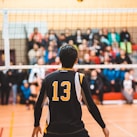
(67, 88)
(55, 91)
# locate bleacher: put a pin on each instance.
(113, 98)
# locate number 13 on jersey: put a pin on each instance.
(66, 90)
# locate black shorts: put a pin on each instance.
(83, 133)
(33, 95)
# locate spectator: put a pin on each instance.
(36, 77)
(35, 37)
(87, 59)
(120, 75)
(96, 85)
(71, 43)
(45, 41)
(104, 37)
(105, 33)
(89, 36)
(125, 35)
(81, 52)
(62, 39)
(93, 58)
(125, 41)
(34, 54)
(128, 88)
(96, 47)
(113, 37)
(53, 36)
(106, 59)
(115, 49)
(21, 75)
(123, 58)
(26, 92)
(111, 76)
(5, 79)
(78, 37)
(68, 35)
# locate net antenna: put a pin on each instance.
(26, 43)
(6, 39)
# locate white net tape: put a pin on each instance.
(116, 66)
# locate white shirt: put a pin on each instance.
(127, 84)
(40, 72)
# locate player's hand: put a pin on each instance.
(36, 131)
(106, 132)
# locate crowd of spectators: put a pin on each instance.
(94, 47)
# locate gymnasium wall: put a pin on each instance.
(42, 4)
(70, 20)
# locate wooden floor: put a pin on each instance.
(17, 121)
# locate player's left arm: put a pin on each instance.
(90, 103)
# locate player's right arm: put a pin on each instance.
(38, 110)
(91, 105)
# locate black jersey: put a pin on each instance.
(63, 91)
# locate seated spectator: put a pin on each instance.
(93, 58)
(78, 37)
(87, 59)
(128, 89)
(26, 92)
(125, 41)
(96, 85)
(105, 32)
(105, 58)
(36, 77)
(56, 62)
(45, 41)
(62, 39)
(35, 37)
(123, 58)
(125, 35)
(33, 54)
(81, 52)
(53, 36)
(89, 36)
(96, 47)
(104, 37)
(85, 43)
(120, 75)
(115, 49)
(50, 54)
(113, 37)
(111, 53)
(111, 77)
(6, 84)
(71, 43)
(68, 35)
(21, 75)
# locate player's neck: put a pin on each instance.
(63, 68)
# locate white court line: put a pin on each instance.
(127, 133)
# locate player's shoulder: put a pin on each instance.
(53, 74)
(81, 76)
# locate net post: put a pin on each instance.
(6, 38)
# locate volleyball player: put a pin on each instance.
(62, 89)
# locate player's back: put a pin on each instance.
(64, 106)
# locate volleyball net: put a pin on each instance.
(17, 25)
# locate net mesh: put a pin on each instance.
(22, 22)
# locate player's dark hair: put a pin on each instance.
(68, 56)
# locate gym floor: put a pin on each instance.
(121, 120)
